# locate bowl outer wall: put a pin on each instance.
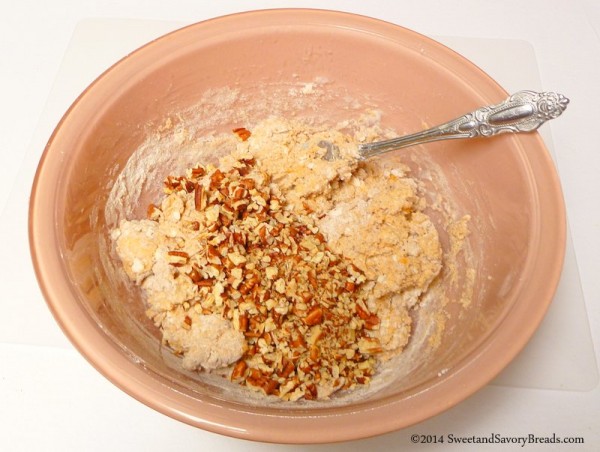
(336, 424)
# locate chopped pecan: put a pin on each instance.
(198, 171)
(298, 305)
(215, 179)
(242, 132)
(314, 316)
(239, 370)
(199, 198)
(153, 211)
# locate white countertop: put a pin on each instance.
(52, 399)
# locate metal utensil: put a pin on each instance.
(524, 111)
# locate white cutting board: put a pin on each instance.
(560, 355)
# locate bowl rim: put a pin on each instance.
(466, 378)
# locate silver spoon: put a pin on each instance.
(524, 111)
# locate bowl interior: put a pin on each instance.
(358, 63)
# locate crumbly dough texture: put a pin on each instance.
(210, 342)
(371, 213)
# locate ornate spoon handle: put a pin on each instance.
(524, 111)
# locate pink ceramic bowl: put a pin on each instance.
(508, 184)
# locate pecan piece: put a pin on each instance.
(287, 370)
(314, 316)
(239, 370)
(215, 178)
(153, 212)
(199, 198)
(198, 171)
(248, 183)
(350, 286)
(177, 258)
(194, 275)
(242, 132)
